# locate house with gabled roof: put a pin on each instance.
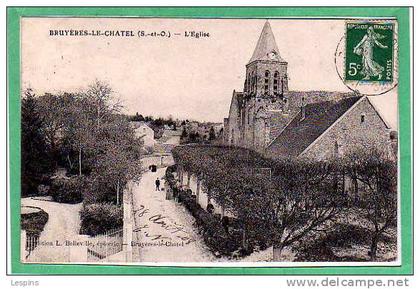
(143, 131)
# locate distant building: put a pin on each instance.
(218, 128)
(271, 119)
(146, 133)
(192, 126)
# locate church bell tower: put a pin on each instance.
(266, 71)
(265, 91)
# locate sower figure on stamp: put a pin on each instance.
(157, 183)
(365, 48)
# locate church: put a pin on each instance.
(279, 123)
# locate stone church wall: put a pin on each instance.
(234, 123)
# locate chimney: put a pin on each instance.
(302, 109)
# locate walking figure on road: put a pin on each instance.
(157, 183)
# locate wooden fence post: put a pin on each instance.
(181, 176)
(106, 246)
(128, 225)
(198, 189)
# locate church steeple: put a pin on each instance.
(266, 48)
(266, 71)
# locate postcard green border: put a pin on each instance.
(405, 136)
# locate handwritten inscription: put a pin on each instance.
(171, 230)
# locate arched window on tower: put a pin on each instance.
(255, 83)
(251, 82)
(267, 82)
(276, 82)
(284, 84)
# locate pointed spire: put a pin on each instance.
(266, 48)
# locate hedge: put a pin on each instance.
(99, 218)
(68, 190)
(215, 235)
(34, 223)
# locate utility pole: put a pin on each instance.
(118, 192)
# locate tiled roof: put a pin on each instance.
(300, 133)
(137, 124)
(295, 97)
(278, 120)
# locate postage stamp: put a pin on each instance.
(369, 52)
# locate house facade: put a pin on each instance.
(145, 132)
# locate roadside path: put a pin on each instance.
(165, 229)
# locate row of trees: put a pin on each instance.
(86, 134)
(285, 201)
(193, 136)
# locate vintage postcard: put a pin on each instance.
(263, 142)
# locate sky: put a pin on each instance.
(184, 77)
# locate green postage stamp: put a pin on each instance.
(369, 52)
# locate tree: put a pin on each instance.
(53, 110)
(68, 122)
(81, 127)
(86, 113)
(184, 134)
(379, 203)
(249, 195)
(193, 137)
(36, 162)
(87, 129)
(100, 94)
(212, 134)
(280, 205)
(137, 117)
(119, 159)
(296, 200)
(110, 145)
